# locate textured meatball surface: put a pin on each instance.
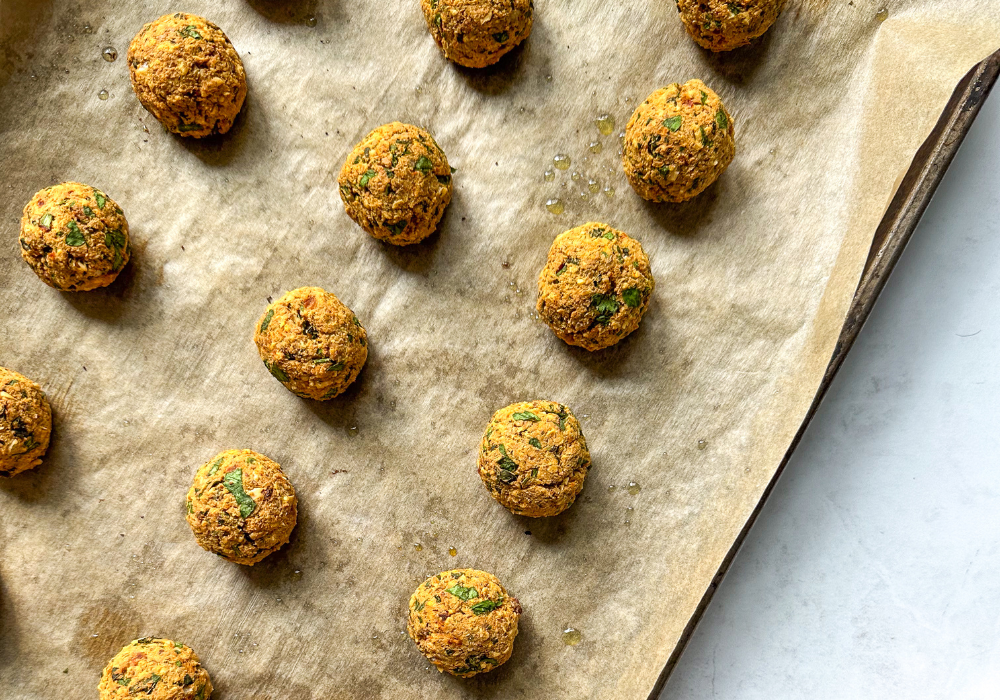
(595, 286)
(463, 621)
(534, 458)
(25, 423)
(157, 669)
(241, 506)
(187, 74)
(678, 142)
(477, 33)
(396, 183)
(312, 343)
(723, 25)
(74, 237)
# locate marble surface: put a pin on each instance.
(874, 569)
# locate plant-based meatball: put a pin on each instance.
(477, 33)
(241, 506)
(678, 142)
(157, 669)
(74, 237)
(464, 621)
(723, 25)
(187, 74)
(534, 458)
(396, 184)
(25, 423)
(312, 343)
(595, 286)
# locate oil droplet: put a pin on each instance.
(549, 175)
(611, 488)
(109, 54)
(571, 637)
(353, 430)
(609, 191)
(555, 206)
(576, 176)
(882, 15)
(584, 196)
(549, 78)
(561, 161)
(417, 546)
(505, 264)
(311, 21)
(702, 444)
(595, 146)
(452, 551)
(593, 185)
(634, 488)
(605, 124)
(102, 95)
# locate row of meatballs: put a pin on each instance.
(395, 184)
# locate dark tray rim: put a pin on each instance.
(898, 223)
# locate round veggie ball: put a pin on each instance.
(74, 237)
(312, 343)
(534, 458)
(723, 25)
(158, 669)
(187, 74)
(241, 506)
(595, 286)
(464, 621)
(477, 33)
(678, 142)
(396, 184)
(25, 423)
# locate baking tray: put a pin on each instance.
(901, 218)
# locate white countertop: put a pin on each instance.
(874, 569)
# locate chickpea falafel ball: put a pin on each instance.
(396, 184)
(158, 669)
(241, 506)
(477, 33)
(595, 286)
(312, 343)
(74, 237)
(723, 25)
(187, 74)
(464, 621)
(25, 423)
(678, 142)
(534, 458)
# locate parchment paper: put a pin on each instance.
(151, 377)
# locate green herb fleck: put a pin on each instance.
(705, 141)
(424, 164)
(100, 199)
(525, 415)
(610, 236)
(75, 236)
(444, 179)
(267, 320)
(365, 179)
(278, 373)
(190, 32)
(605, 305)
(88, 211)
(632, 298)
(721, 119)
(486, 606)
(463, 592)
(397, 228)
(188, 680)
(190, 506)
(147, 686)
(189, 127)
(704, 96)
(233, 482)
(215, 466)
(673, 123)
(535, 443)
(501, 37)
(46, 222)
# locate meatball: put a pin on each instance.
(723, 25)
(241, 506)
(534, 458)
(678, 142)
(312, 343)
(595, 286)
(25, 423)
(464, 621)
(157, 669)
(74, 237)
(187, 74)
(477, 33)
(396, 184)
